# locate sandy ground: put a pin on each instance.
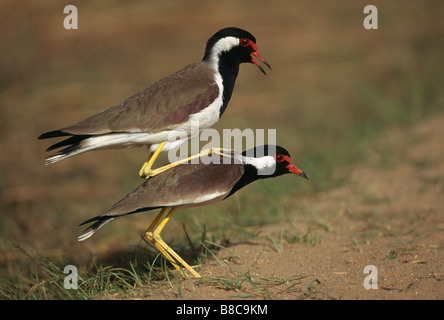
(389, 218)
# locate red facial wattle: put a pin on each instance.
(247, 42)
(291, 167)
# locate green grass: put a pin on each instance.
(45, 280)
(38, 277)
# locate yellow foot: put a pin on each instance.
(153, 235)
(145, 171)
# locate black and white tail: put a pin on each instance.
(101, 221)
(75, 144)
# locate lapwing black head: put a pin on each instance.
(192, 185)
(262, 162)
(278, 158)
(233, 46)
(199, 92)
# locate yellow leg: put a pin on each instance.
(153, 235)
(205, 152)
(150, 235)
(145, 171)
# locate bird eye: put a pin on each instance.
(244, 42)
(279, 158)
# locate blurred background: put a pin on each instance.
(334, 86)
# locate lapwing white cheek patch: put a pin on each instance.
(264, 162)
(265, 165)
(224, 44)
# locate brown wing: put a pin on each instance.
(166, 103)
(180, 186)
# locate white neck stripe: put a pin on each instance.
(266, 163)
(223, 45)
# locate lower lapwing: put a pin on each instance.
(192, 185)
(161, 115)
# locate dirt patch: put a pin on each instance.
(389, 217)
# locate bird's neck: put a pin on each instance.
(253, 170)
(227, 69)
(250, 175)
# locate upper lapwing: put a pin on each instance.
(192, 185)
(198, 93)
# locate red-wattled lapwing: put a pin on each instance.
(198, 93)
(192, 185)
